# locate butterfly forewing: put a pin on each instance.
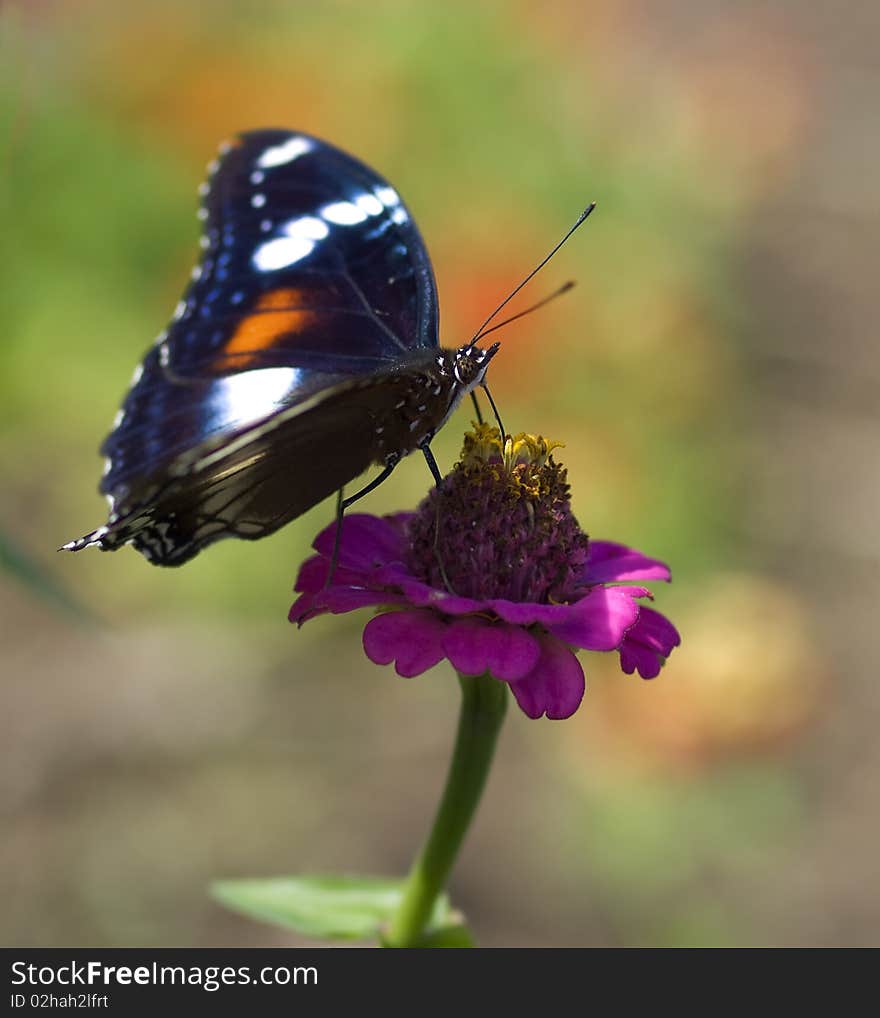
(313, 272)
(310, 259)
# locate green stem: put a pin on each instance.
(484, 700)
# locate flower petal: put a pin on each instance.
(339, 600)
(413, 639)
(425, 596)
(312, 576)
(655, 631)
(367, 542)
(476, 645)
(526, 613)
(613, 563)
(600, 620)
(647, 645)
(400, 521)
(555, 686)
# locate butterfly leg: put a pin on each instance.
(495, 411)
(432, 463)
(435, 471)
(477, 410)
(343, 503)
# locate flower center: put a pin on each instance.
(501, 525)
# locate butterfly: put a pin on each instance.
(304, 350)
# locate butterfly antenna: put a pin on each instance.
(533, 273)
(500, 325)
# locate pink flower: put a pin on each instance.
(503, 581)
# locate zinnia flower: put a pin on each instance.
(493, 573)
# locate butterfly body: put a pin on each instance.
(304, 349)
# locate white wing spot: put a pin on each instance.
(202, 214)
(308, 227)
(257, 177)
(117, 420)
(179, 311)
(258, 200)
(266, 225)
(343, 213)
(164, 355)
(286, 152)
(281, 252)
(204, 188)
(388, 196)
(213, 166)
(136, 374)
(251, 395)
(369, 203)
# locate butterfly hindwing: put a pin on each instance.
(246, 488)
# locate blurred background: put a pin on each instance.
(714, 377)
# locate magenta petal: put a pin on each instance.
(635, 657)
(614, 563)
(555, 686)
(476, 645)
(367, 542)
(425, 596)
(339, 600)
(309, 578)
(655, 631)
(400, 521)
(526, 613)
(600, 619)
(313, 575)
(413, 639)
(647, 645)
(303, 608)
(392, 575)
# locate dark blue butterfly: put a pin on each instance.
(304, 350)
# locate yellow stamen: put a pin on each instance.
(520, 463)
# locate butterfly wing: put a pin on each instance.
(252, 485)
(310, 259)
(313, 274)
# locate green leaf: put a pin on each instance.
(333, 907)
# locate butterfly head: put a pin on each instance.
(470, 364)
